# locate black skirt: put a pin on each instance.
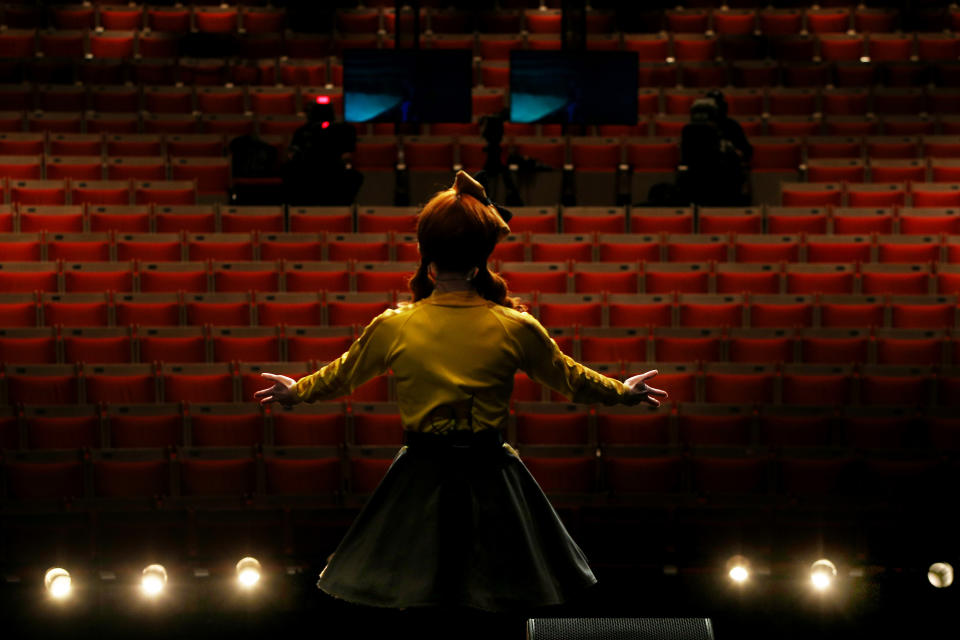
(457, 521)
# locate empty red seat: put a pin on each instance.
(44, 480)
(834, 170)
(121, 17)
(169, 19)
(566, 475)
(45, 385)
(223, 429)
(38, 192)
(640, 311)
(906, 347)
(165, 193)
(643, 475)
(130, 478)
(816, 384)
(217, 476)
(197, 383)
(231, 309)
(120, 383)
(895, 279)
(729, 475)
(615, 345)
(571, 309)
(112, 44)
(693, 277)
(694, 47)
(767, 346)
(215, 19)
(828, 20)
(702, 344)
(28, 347)
(76, 309)
(819, 278)
(732, 384)
(873, 195)
(231, 345)
(315, 476)
(834, 347)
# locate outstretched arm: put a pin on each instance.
(544, 362)
(366, 358)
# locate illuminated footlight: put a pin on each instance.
(822, 574)
(154, 580)
(940, 575)
(248, 572)
(58, 583)
(738, 568)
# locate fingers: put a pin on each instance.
(648, 374)
(656, 392)
(651, 401)
(263, 392)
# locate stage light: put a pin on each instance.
(324, 124)
(58, 583)
(248, 572)
(940, 575)
(323, 99)
(738, 568)
(154, 580)
(822, 574)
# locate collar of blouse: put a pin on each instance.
(468, 298)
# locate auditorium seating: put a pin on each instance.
(809, 342)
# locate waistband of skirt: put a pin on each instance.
(454, 439)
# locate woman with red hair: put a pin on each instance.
(457, 520)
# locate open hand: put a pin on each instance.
(282, 391)
(639, 388)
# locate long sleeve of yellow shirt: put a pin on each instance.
(456, 346)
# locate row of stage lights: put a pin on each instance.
(152, 581)
(823, 573)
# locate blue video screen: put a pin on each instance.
(398, 85)
(586, 87)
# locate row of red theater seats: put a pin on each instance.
(266, 65)
(291, 100)
(662, 47)
(824, 195)
(745, 383)
(95, 156)
(849, 340)
(842, 162)
(212, 174)
(521, 16)
(382, 279)
(130, 100)
(437, 148)
(118, 192)
(326, 474)
(723, 21)
(861, 235)
(206, 19)
(265, 20)
(485, 101)
(111, 106)
(329, 309)
(385, 233)
(182, 131)
(138, 426)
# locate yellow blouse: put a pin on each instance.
(454, 356)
